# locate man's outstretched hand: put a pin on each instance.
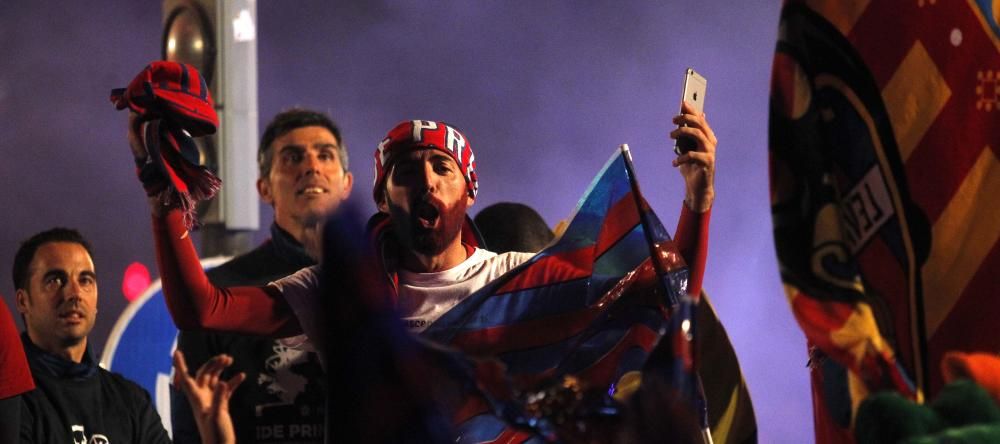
(698, 165)
(137, 145)
(209, 396)
(135, 138)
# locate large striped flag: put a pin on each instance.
(536, 315)
(606, 306)
(884, 142)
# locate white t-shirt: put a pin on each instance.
(423, 297)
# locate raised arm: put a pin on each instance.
(698, 169)
(193, 301)
(196, 304)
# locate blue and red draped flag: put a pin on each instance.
(606, 305)
(884, 142)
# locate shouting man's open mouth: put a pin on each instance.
(426, 214)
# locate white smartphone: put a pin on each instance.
(694, 93)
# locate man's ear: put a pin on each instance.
(348, 185)
(469, 200)
(264, 190)
(21, 300)
(383, 204)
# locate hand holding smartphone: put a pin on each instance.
(693, 93)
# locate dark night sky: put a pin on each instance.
(545, 91)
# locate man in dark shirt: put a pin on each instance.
(75, 400)
(304, 175)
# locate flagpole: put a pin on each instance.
(657, 265)
(706, 435)
(675, 301)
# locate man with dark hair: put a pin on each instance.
(293, 119)
(75, 399)
(304, 175)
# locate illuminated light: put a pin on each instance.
(685, 326)
(244, 29)
(171, 45)
(135, 281)
(198, 44)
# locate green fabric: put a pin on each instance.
(887, 417)
(961, 413)
(973, 434)
(964, 402)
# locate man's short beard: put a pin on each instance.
(427, 242)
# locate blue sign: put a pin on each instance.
(142, 342)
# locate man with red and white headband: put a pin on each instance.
(425, 182)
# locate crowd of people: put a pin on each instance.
(250, 357)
